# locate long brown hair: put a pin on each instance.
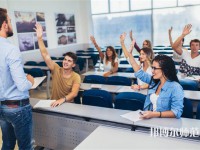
(148, 43)
(150, 54)
(114, 55)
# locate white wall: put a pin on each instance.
(81, 9)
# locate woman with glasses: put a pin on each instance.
(146, 56)
(165, 94)
(110, 60)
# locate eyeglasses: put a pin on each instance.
(154, 68)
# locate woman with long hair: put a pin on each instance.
(145, 44)
(146, 57)
(165, 95)
(110, 60)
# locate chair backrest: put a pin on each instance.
(31, 63)
(42, 63)
(94, 79)
(129, 101)
(198, 112)
(118, 80)
(99, 98)
(36, 72)
(123, 62)
(189, 84)
(187, 109)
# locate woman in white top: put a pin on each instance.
(110, 60)
(146, 56)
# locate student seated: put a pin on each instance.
(190, 64)
(110, 60)
(146, 56)
(65, 82)
(165, 95)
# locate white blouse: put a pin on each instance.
(107, 67)
(153, 99)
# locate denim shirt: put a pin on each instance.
(13, 82)
(170, 98)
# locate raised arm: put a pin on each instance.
(43, 50)
(186, 31)
(129, 56)
(97, 47)
(135, 45)
(170, 36)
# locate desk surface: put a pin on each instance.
(115, 138)
(86, 111)
(183, 123)
(109, 88)
(122, 74)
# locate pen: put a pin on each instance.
(140, 113)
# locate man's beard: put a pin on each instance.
(9, 33)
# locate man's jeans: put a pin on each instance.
(16, 124)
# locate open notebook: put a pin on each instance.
(44, 103)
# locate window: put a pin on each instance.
(107, 28)
(99, 6)
(119, 5)
(164, 3)
(165, 18)
(140, 4)
(188, 2)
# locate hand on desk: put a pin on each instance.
(58, 102)
(136, 87)
(107, 74)
(146, 115)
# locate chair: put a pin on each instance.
(90, 49)
(198, 112)
(31, 63)
(189, 84)
(94, 79)
(80, 51)
(99, 98)
(42, 64)
(54, 58)
(187, 109)
(124, 62)
(129, 101)
(118, 80)
(36, 72)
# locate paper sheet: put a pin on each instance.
(37, 81)
(132, 116)
(96, 86)
(44, 103)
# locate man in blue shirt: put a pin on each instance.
(15, 109)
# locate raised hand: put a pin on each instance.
(187, 29)
(39, 30)
(170, 30)
(131, 35)
(122, 37)
(92, 39)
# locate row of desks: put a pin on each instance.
(193, 95)
(58, 123)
